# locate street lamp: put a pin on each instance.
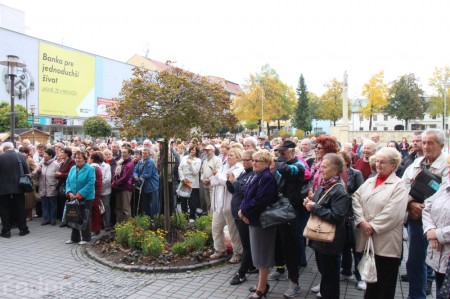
(12, 62)
(32, 109)
(262, 109)
(445, 112)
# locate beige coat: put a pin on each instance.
(384, 208)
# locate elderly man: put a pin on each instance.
(250, 143)
(363, 164)
(376, 138)
(115, 148)
(12, 197)
(211, 164)
(434, 160)
(307, 151)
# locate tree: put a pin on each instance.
(330, 103)
(302, 116)
(20, 112)
(96, 126)
(376, 92)
(406, 100)
(436, 101)
(279, 98)
(172, 103)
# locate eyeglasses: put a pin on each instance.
(256, 161)
(318, 148)
(246, 160)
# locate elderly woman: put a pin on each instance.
(221, 207)
(379, 206)
(66, 164)
(46, 171)
(80, 185)
(189, 174)
(332, 208)
(95, 160)
(324, 144)
(261, 192)
(436, 226)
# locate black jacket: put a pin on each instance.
(10, 172)
(293, 173)
(238, 190)
(332, 209)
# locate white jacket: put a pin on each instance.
(436, 215)
(106, 178)
(221, 198)
(190, 171)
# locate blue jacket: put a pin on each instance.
(147, 171)
(82, 182)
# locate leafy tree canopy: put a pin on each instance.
(302, 116)
(96, 126)
(437, 82)
(329, 105)
(21, 120)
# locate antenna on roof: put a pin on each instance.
(147, 50)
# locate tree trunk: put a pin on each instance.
(370, 122)
(279, 128)
(165, 182)
(406, 124)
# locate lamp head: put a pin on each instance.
(12, 62)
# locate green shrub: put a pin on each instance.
(142, 222)
(178, 221)
(195, 240)
(179, 248)
(123, 231)
(136, 238)
(153, 243)
(158, 222)
(204, 223)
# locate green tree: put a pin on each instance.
(172, 103)
(376, 91)
(406, 100)
(21, 120)
(436, 101)
(96, 126)
(329, 105)
(302, 116)
(278, 97)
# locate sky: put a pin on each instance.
(320, 39)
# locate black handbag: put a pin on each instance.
(278, 213)
(424, 185)
(74, 212)
(62, 190)
(24, 180)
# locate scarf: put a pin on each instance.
(327, 184)
(118, 169)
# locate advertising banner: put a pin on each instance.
(66, 82)
(103, 105)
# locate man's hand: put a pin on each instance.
(431, 234)
(415, 210)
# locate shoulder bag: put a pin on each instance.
(24, 180)
(424, 185)
(318, 229)
(367, 267)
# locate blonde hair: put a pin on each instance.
(263, 155)
(237, 152)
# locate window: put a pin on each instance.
(361, 117)
(374, 117)
(374, 128)
(385, 128)
(361, 128)
(385, 117)
(432, 126)
(433, 116)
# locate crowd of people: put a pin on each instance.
(363, 189)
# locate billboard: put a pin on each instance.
(103, 105)
(66, 82)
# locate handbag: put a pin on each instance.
(367, 267)
(74, 211)
(424, 185)
(62, 190)
(317, 229)
(101, 207)
(184, 191)
(24, 180)
(280, 212)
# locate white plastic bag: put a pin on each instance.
(184, 191)
(366, 266)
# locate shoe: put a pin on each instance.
(276, 275)
(63, 225)
(198, 211)
(318, 295)
(69, 242)
(253, 289)
(6, 235)
(236, 258)
(361, 285)
(191, 220)
(293, 291)
(346, 277)
(82, 243)
(37, 216)
(29, 219)
(259, 294)
(316, 289)
(24, 232)
(53, 223)
(237, 279)
(45, 222)
(429, 286)
(404, 277)
(216, 255)
(252, 270)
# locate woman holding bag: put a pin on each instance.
(379, 206)
(329, 203)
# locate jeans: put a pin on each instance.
(328, 266)
(49, 208)
(150, 202)
(301, 220)
(415, 266)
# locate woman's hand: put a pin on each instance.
(308, 204)
(366, 228)
(243, 218)
(310, 194)
(436, 245)
(231, 177)
(431, 234)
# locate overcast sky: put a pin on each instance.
(233, 39)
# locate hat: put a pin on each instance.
(286, 144)
(262, 137)
(210, 147)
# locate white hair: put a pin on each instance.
(7, 146)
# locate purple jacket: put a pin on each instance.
(126, 175)
(262, 192)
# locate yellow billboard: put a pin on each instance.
(66, 82)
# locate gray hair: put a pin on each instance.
(336, 160)
(252, 140)
(439, 134)
(369, 142)
(392, 154)
(7, 146)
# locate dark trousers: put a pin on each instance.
(287, 236)
(60, 204)
(439, 281)
(329, 265)
(85, 233)
(12, 207)
(39, 208)
(192, 201)
(246, 257)
(112, 204)
(387, 272)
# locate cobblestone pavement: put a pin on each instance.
(40, 265)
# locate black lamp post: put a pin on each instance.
(12, 62)
(32, 109)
